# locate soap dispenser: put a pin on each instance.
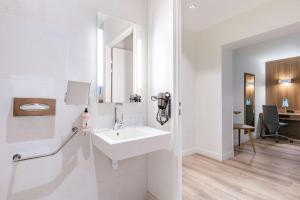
(86, 124)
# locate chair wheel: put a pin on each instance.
(263, 137)
(276, 141)
(291, 141)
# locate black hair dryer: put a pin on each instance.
(164, 107)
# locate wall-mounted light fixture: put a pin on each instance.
(284, 81)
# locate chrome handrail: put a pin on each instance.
(18, 157)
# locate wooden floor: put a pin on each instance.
(272, 174)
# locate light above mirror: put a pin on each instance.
(119, 58)
(284, 81)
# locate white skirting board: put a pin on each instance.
(188, 152)
(209, 154)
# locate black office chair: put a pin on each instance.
(249, 115)
(271, 122)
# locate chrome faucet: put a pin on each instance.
(118, 123)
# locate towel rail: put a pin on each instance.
(18, 157)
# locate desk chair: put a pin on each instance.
(249, 115)
(271, 122)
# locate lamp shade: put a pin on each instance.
(285, 103)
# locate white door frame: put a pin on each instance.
(177, 93)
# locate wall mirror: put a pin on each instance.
(119, 54)
(249, 99)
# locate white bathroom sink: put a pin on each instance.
(130, 141)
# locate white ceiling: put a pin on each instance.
(211, 12)
(274, 49)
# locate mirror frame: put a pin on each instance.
(246, 76)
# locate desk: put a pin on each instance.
(247, 130)
(289, 116)
(292, 130)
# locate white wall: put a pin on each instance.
(251, 59)
(214, 101)
(247, 64)
(44, 44)
(162, 165)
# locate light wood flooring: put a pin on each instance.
(272, 174)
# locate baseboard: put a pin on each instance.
(210, 154)
(227, 155)
(188, 152)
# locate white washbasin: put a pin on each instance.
(130, 141)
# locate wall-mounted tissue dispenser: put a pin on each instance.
(34, 107)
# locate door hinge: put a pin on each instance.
(179, 110)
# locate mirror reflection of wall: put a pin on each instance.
(119, 52)
(249, 99)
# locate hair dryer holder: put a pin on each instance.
(164, 107)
